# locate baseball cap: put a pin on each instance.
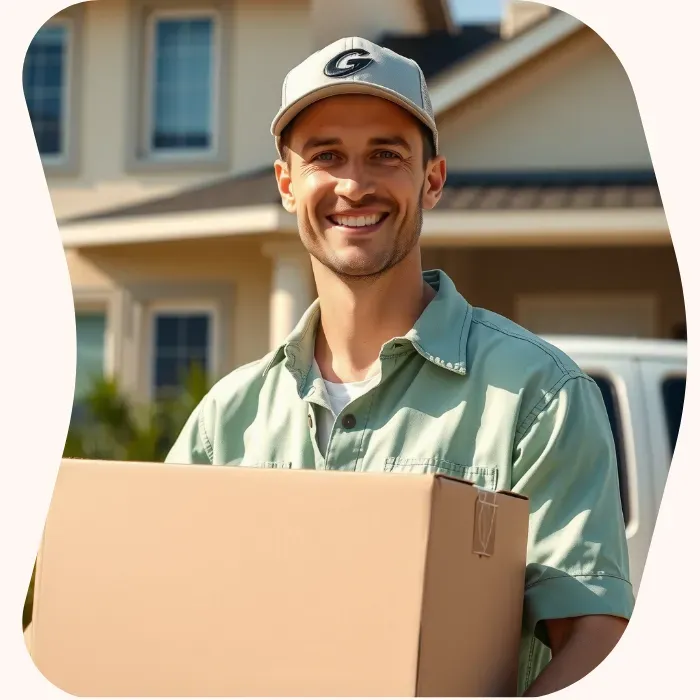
(355, 66)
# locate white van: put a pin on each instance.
(643, 385)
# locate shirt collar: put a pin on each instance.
(441, 332)
(439, 335)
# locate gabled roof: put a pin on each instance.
(444, 53)
(458, 63)
(494, 60)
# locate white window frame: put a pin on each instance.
(177, 155)
(181, 307)
(64, 157)
(89, 301)
(645, 305)
(99, 303)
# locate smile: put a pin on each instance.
(358, 221)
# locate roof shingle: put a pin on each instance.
(494, 191)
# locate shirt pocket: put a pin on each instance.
(485, 477)
(258, 465)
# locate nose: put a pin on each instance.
(354, 182)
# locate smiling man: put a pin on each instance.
(391, 369)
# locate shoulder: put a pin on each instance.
(504, 354)
(494, 340)
(229, 399)
(235, 389)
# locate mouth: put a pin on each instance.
(368, 223)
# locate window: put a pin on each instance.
(610, 400)
(90, 338)
(673, 391)
(45, 81)
(182, 341)
(181, 94)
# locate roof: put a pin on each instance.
(514, 191)
(446, 47)
(437, 14)
(440, 49)
(493, 60)
(551, 190)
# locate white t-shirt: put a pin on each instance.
(339, 396)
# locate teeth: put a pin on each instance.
(357, 221)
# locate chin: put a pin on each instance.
(356, 266)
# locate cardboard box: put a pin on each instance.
(160, 580)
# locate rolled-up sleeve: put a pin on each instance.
(565, 463)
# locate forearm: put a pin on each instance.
(574, 662)
(588, 642)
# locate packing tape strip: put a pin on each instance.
(484, 540)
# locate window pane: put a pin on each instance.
(90, 338)
(197, 332)
(610, 400)
(44, 81)
(167, 331)
(673, 390)
(167, 372)
(182, 96)
(181, 341)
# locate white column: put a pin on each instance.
(292, 288)
(130, 351)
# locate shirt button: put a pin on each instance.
(349, 421)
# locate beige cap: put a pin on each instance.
(355, 66)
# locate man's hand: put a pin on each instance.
(578, 646)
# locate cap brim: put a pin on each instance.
(285, 115)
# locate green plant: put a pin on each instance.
(110, 426)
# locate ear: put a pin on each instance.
(284, 185)
(434, 182)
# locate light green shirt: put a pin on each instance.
(465, 393)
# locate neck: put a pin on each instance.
(358, 317)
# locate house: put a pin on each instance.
(152, 117)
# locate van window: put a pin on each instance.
(673, 390)
(611, 405)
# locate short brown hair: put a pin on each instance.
(427, 136)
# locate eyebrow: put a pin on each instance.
(391, 141)
(316, 142)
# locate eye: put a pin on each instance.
(326, 156)
(387, 155)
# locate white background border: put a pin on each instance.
(656, 43)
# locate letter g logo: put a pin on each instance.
(347, 63)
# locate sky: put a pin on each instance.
(476, 10)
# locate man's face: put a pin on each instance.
(356, 179)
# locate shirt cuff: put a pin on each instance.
(561, 595)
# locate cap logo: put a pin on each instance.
(347, 63)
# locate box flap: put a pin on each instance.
(459, 480)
